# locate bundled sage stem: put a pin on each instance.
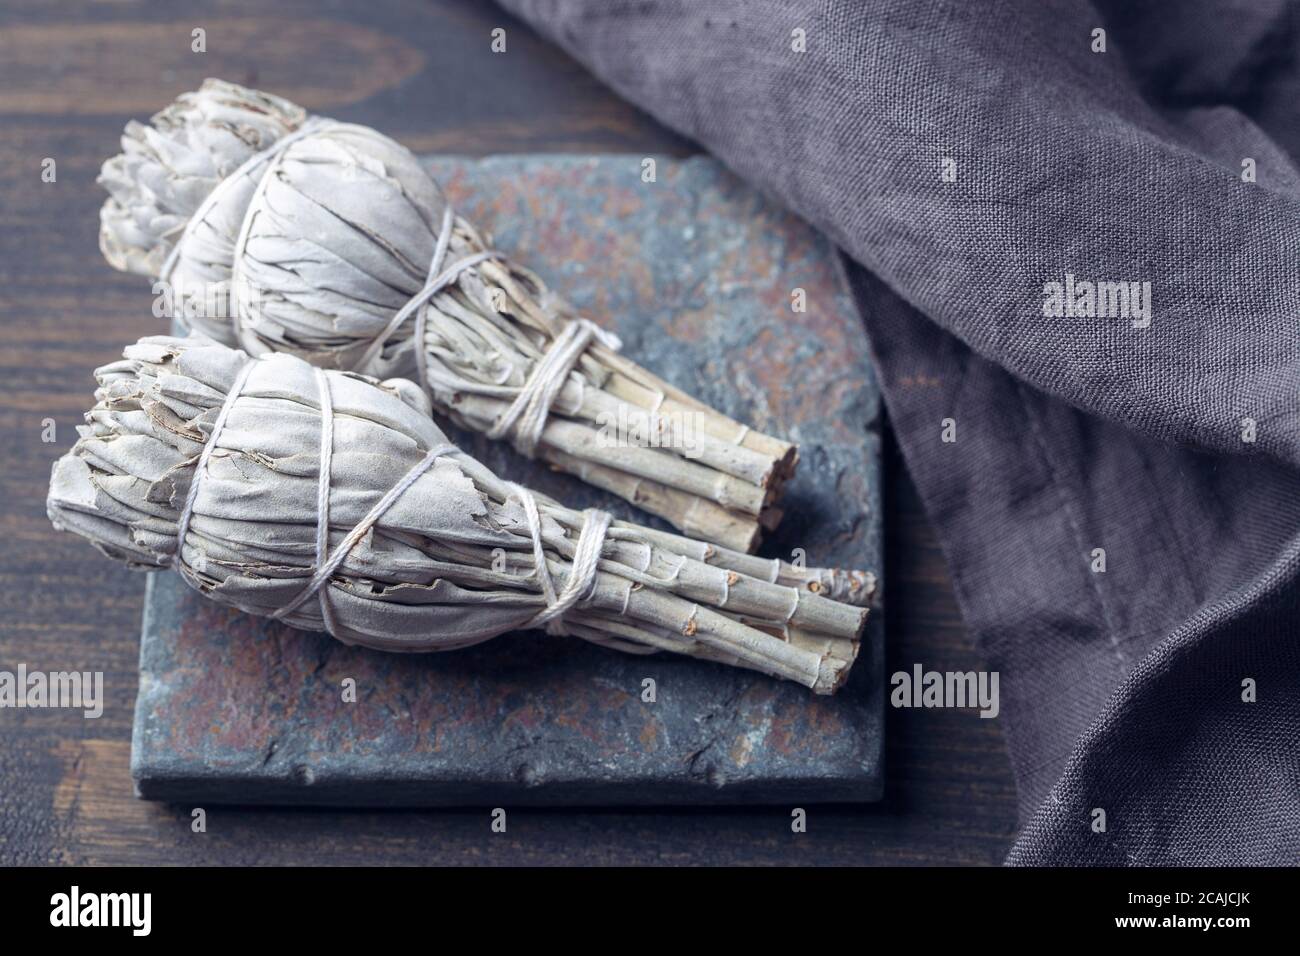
(282, 232)
(333, 502)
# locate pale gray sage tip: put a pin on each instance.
(276, 231)
(333, 501)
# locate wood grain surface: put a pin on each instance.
(71, 74)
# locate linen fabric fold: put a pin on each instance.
(1075, 241)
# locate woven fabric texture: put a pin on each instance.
(1077, 256)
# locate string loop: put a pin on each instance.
(525, 419)
(581, 577)
(579, 581)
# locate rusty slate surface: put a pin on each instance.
(696, 272)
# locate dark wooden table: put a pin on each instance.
(70, 75)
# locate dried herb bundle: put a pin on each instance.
(288, 233)
(334, 502)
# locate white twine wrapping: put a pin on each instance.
(352, 538)
(525, 419)
(183, 524)
(322, 504)
(579, 582)
(582, 575)
(436, 283)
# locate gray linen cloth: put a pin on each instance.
(1000, 183)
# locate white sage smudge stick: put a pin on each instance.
(281, 232)
(334, 502)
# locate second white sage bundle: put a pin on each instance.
(333, 502)
(276, 231)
